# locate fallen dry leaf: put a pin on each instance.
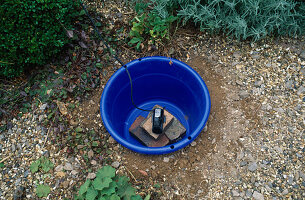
(60, 174)
(144, 173)
(62, 107)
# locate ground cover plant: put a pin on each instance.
(241, 19)
(32, 32)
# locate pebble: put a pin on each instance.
(74, 172)
(301, 90)
(249, 193)
(43, 106)
(19, 193)
(244, 94)
(243, 163)
(302, 55)
(93, 162)
(285, 192)
(193, 144)
(115, 164)
(111, 140)
(205, 129)
(68, 167)
(165, 159)
(59, 168)
(252, 166)
(235, 193)
(258, 196)
(91, 176)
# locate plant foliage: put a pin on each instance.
(241, 19)
(32, 32)
(107, 185)
(43, 163)
(149, 23)
(43, 190)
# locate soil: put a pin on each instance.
(190, 171)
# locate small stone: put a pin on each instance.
(19, 193)
(193, 144)
(301, 90)
(240, 155)
(111, 140)
(115, 164)
(235, 193)
(43, 106)
(252, 166)
(165, 159)
(13, 147)
(91, 176)
(258, 83)
(290, 180)
(258, 196)
(237, 54)
(235, 97)
(93, 162)
(65, 184)
(41, 117)
(278, 149)
(68, 167)
(285, 192)
(74, 172)
(302, 55)
(255, 55)
(249, 193)
(90, 154)
(205, 129)
(288, 84)
(302, 175)
(59, 168)
(171, 51)
(243, 163)
(243, 94)
(26, 173)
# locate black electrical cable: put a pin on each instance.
(114, 55)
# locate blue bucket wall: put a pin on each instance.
(156, 80)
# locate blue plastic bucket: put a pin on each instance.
(156, 80)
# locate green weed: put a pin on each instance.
(108, 185)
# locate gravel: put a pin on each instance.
(258, 196)
(266, 157)
(252, 166)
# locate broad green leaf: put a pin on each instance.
(106, 171)
(137, 197)
(126, 192)
(34, 166)
(134, 40)
(1, 165)
(100, 184)
(147, 197)
(138, 45)
(80, 197)
(91, 193)
(114, 197)
(78, 130)
(43, 190)
(122, 181)
(46, 164)
(109, 190)
(102, 198)
(84, 187)
(94, 143)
